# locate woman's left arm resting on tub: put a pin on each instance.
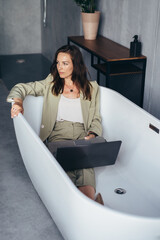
(21, 90)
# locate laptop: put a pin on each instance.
(88, 156)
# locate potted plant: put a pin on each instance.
(90, 18)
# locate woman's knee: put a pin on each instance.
(88, 190)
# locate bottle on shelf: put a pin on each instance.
(135, 47)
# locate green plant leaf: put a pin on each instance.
(87, 6)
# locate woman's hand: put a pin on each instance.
(17, 108)
(89, 136)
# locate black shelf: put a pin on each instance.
(118, 69)
(123, 73)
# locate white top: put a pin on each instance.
(69, 109)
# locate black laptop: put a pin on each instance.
(88, 156)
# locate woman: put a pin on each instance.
(70, 108)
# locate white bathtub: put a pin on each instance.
(134, 215)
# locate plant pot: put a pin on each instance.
(90, 22)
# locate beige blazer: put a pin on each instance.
(90, 109)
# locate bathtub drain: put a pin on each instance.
(120, 191)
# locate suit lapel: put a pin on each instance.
(50, 108)
(85, 104)
(53, 108)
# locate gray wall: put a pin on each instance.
(63, 19)
(20, 27)
(120, 21)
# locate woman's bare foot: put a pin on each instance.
(99, 199)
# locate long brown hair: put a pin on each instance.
(79, 74)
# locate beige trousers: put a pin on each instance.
(65, 130)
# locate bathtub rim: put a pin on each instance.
(126, 100)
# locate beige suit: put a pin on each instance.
(90, 109)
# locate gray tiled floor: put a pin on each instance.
(22, 214)
(23, 68)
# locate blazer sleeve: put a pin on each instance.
(21, 90)
(95, 122)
